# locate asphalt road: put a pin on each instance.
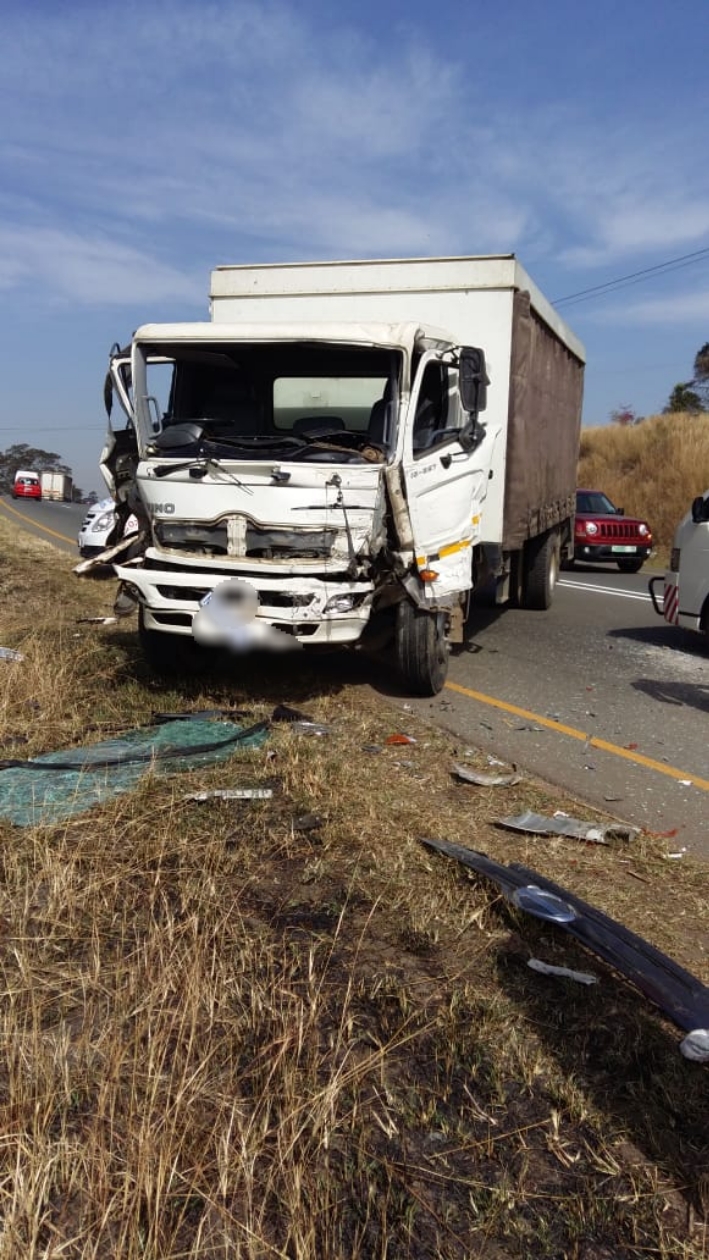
(598, 666)
(57, 523)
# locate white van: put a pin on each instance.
(685, 598)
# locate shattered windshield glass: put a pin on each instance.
(303, 401)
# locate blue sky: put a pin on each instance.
(143, 144)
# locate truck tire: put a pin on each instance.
(541, 570)
(170, 655)
(421, 649)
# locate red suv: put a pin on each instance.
(604, 534)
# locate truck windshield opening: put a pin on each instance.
(247, 397)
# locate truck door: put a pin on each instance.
(446, 465)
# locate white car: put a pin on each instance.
(96, 527)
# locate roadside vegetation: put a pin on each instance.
(653, 469)
(224, 1036)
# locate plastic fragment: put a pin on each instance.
(371, 748)
(284, 713)
(548, 969)
(399, 739)
(685, 782)
(480, 779)
(298, 721)
(9, 654)
(572, 828)
(231, 794)
(96, 621)
(696, 1045)
(308, 822)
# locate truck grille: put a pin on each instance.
(617, 529)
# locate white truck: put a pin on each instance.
(332, 441)
(56, 486)
(685, 596)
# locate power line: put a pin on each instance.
(635, 277)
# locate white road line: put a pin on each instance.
(604, 590)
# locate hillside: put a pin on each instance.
(653, 469)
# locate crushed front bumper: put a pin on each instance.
(313, 610)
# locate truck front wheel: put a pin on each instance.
(421, 649)
(170, 655)
(541, 570)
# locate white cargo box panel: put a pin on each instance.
(472, 298)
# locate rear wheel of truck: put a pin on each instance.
(630, 566)
(171, 655)
(421, 649)
(542, 570)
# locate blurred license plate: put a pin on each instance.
(623, 548)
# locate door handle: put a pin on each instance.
(459, 456)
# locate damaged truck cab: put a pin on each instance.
(347, 479)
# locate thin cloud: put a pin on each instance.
(680, 308)
(92, 271)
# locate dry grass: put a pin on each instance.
(653, 469)
(227, 1038)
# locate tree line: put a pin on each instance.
(24, 456)
(692, 395)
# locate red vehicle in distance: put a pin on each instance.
(26, 485)
(603, 534)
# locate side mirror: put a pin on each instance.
(620, 511)
(700, 509)
(473, 381)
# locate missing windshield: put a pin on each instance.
(299, 400)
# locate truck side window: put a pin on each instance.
(436, 420)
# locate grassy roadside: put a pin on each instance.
(226, 1037)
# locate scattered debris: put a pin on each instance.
(548, 969)
(636, 875)
(613, 798)
(9, 654)
(61, 784)
(198, 715)
(676, 992)
(96, 621)
(631, 747)
(527, 726)
(284, 713)
(675, 856)
(572, 828)
(298, 721)
(371, 748)
(685, 782)
(308, 822)
(696, 1045)
(480, 779)
(231, 794)
(399, 739)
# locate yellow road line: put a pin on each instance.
(593, 742)
(37, 524)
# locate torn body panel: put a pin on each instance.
(676, 992)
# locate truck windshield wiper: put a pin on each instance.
(199, 467)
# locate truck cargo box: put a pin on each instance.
(535, 362)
